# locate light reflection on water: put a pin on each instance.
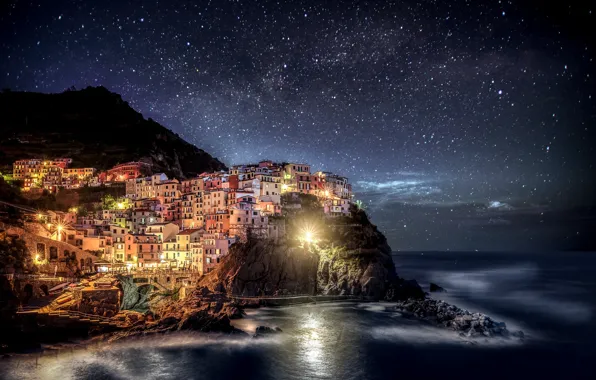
(359, 340)
(322, 341)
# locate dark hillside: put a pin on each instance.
(96, 128)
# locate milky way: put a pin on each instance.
(435, 106)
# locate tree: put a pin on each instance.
(360, 205)
(72, 264)
(14, 254)
(108, 202)
(82, 211)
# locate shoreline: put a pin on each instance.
(459, 322)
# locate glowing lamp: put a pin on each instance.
(308, 237)
(120, 205)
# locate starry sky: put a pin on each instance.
(463, 125)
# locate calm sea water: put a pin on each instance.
(551, 297)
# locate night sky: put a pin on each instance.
(463, 124)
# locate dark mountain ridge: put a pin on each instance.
(94, 127)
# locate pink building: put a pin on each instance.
(209, 251)
(123, 172)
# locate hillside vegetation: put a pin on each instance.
(96, 128)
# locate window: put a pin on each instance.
(53, 253)
(41, 251)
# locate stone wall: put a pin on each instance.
(50, 254)
(169, 281)
(103, 302)
(29, 288)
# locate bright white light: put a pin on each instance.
(308, 237)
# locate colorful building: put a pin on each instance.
(209, 251)
(142, 250)
(126, 171)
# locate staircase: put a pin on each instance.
(83, 317)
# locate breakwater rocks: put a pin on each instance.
(469, 325)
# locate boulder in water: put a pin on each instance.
(261, 331)
(436, 288)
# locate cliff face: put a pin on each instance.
(356, 260)
(345, 272)
(96, 128)
(263, 267)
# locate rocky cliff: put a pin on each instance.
(353, 259)
(264, 267)
(94, 127)
(201, 311)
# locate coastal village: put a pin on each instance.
(171, 224)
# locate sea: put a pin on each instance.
(551, 297)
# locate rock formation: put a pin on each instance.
(135, 298)
(201, 311)
(354, 260)
(264, 267)
(436, 288)
(443, 314)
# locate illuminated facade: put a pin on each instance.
(50, 174)
(124, 172)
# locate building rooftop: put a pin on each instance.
(189, 231)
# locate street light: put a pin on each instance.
(59, 232)
(308, 237)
